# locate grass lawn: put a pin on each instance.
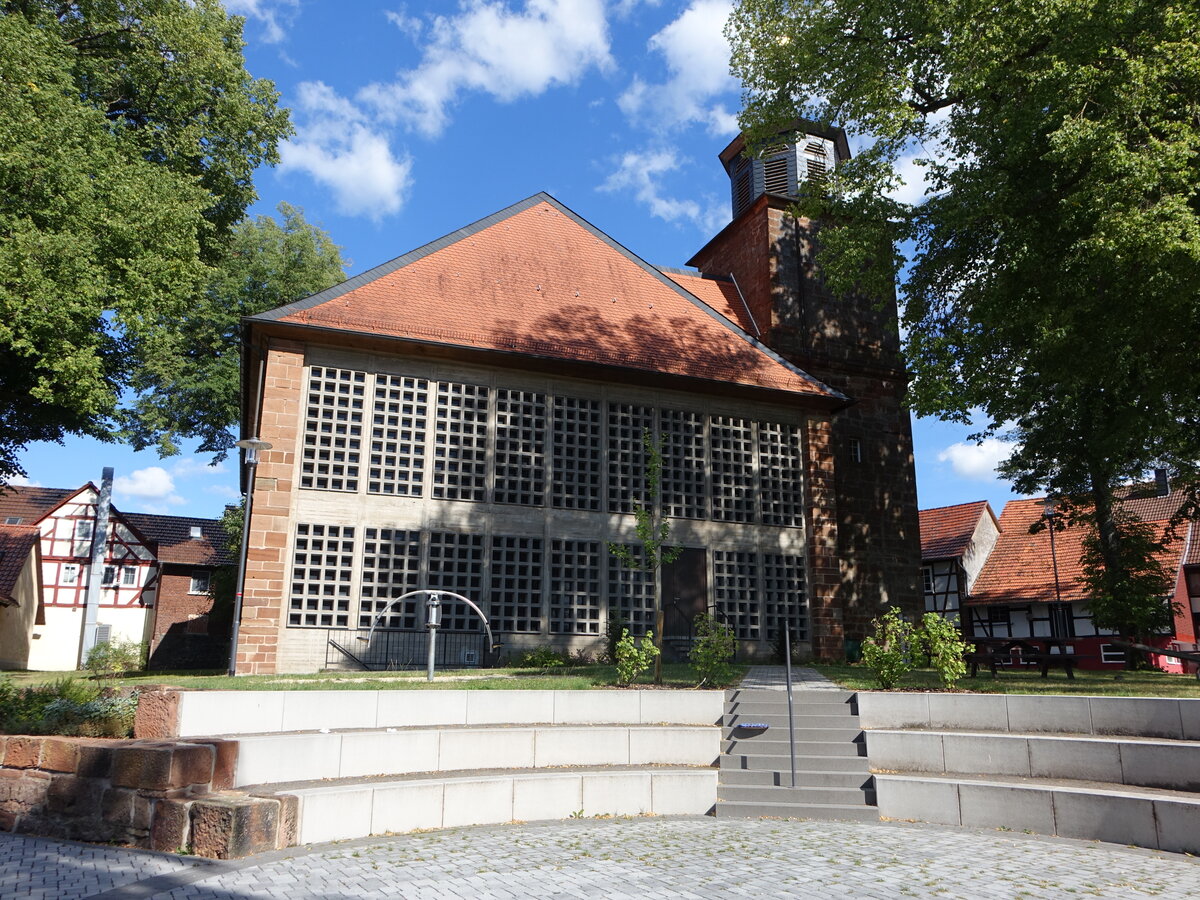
(575, 678)
(1110, 683)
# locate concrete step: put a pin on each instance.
(361, 807)
(762, 747)
(800, 709)
(782, 763)
(780, 722)
(1121, 814)
(805, 777)
(800, 795)
(779, 734)
(264, 759)
(828, 812)
(761, 696)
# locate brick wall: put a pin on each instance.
(866, 509)
(181, 639)
(263, 606)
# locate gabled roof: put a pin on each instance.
(16, 543)
(30, 504)
(1020, 568)
(946, 531)
(537, 280)
(174, 543)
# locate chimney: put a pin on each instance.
(1162, 484)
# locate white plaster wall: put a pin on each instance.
(55, 645)
(982, 541)
(16, 622)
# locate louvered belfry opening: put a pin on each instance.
(781, 169)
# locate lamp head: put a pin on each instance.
(253, 446)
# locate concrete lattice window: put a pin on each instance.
(576, 443)
(516, 584)
(683, 484)
(627, 455)
(735, 591)
(322, 571)
(456, 563)
(732, 469)
(391, 567)
(574, 587)
(631, 594)
(520, 448)
(398, 431)
(784, 595)
(460, 442)
(782, 471)
(333, 427)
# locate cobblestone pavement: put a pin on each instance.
(665, 857)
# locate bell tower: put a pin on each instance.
(864, 542)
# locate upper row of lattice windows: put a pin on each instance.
(413, 437)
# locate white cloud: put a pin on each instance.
(223, 490)
(151, 489)
(340, 148)
(697, 58)
(411, 26)
(977, 462)
(912, 191)
(492, 48)
(189, 466)
(642, 173)
(23, 481)
(274, 15)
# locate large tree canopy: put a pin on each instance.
(128, 135)
(192, 389)
(1054, 278)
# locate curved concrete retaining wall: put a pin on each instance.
(1142, 716)
(259, 712)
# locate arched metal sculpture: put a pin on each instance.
(433, 618)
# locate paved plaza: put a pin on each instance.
(662, 857)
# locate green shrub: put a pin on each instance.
(67, 706)
(542, 658)
(713, 651)
(943, 641)
(888, 653)
(113, 658)
(633, 660)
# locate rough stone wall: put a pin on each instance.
(852, 345)
(263, 603)
(151, 794)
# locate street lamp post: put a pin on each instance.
(1050, 513)
(252, 446)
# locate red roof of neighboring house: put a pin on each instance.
(538, 280)
(1020, 568)
(172, 536)
(16, 543)
(30, 504)
(947, 530)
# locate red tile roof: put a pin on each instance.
(16, 543)
(172, 536)
(30, 504)
(536, 279)
(719, 293)
(1020, 568)
(946, 531)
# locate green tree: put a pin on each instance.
(128, 135)
(194, 389)
(653, 533)
(1054, 279)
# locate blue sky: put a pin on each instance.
(414, 119)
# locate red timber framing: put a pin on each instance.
(131, 574)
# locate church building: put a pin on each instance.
(469, 417)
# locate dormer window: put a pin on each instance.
(13, 520)
(197, 532)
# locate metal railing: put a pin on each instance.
(393, 649)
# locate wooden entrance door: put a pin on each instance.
(685, 592)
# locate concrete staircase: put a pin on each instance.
(833, 779)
